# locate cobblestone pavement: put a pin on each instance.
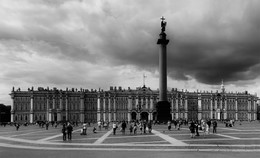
(240, 138)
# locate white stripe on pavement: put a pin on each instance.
(169, 139)
(101, 139)
(227, 136)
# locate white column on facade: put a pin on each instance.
(236, 109)
(172, 107)
(47, 108)
(249, 109)
(59, 110)
(151, 104)
(31, 109)
(216, 109)
(255, 109)
(12, 107)
(211, 108)
(53, 103)
(142, 102)
(249, 105)
(136, 102)
(186, 108)
(50, 110)
(146, 103)
(129, 107)
(50, 116)
(67, 108)
(181, 103)
(216, 104)
(225, 111)
(199, 107)
(109, 109)
(115, 109)
(82, 109)
(177, 108)
(104, 108)
(98, 108)
(60, 106)
(53, 108)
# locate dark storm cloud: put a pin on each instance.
(209, 40)
(217, 50)
(222, 43)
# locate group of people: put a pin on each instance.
(143, 126)
(177, 124)
(204, 126)
(67, 130)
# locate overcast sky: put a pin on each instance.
(102, 43)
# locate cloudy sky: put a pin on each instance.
(102, 43)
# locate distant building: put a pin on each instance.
(128, 104)
(5, 113)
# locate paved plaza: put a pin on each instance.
(240, 138)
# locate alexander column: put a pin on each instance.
(163, 106)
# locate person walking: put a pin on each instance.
(209, 124)
(123, 126)
(69, 130)
(215, 124)
(140, 125)
(192, 129)
(63, 131)
(169, 125)
(205, 128)
(179, 124)
(106, 125)
(114, 126)
(131, 128)
(17, 125)
(99, 125)
(47, 125)
(84, 129)
(144, 126)
(149, 126)
(197, 128)
(135, 128)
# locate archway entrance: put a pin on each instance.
(133, 115)
(144, 116)
(55, 116)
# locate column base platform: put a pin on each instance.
(163, 111)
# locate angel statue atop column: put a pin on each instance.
(163, 23)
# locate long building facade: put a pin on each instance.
(85, 105)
